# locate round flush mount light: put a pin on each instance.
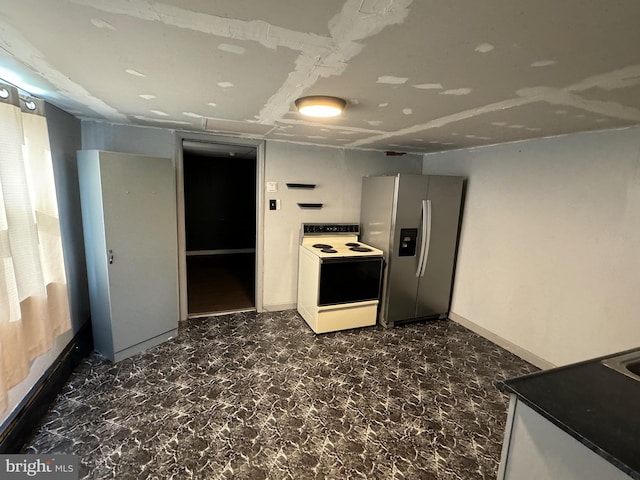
(320, 106)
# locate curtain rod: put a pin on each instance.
(21, 91)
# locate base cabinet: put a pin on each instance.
(536, 449)
(130, 230)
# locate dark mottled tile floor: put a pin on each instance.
(260, 396)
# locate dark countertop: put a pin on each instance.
(596, 405)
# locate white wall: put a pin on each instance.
(549, 256)
(337, 172)
(338, 176)
(65, 138)
(158, 142)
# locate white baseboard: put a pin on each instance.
(526, 355)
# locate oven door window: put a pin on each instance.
(348, 280)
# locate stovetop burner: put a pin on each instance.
(360, 249)
(352, 244)
(328, 250)
(322, 246)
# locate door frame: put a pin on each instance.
(259, 145)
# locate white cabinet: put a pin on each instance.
(536, 449)
(130, 230)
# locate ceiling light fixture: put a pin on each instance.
(320, 106)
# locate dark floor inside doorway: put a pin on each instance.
(220, 283)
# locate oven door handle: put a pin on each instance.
(423, 241)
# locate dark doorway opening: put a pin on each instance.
(220, 227)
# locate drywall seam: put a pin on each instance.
(620, 78)
(17, 46)
(268, 35)
(347, 28)
(442, 121)
(624, 77)
(611, 109)
(319, 56)
(329, 126)
(162, 120)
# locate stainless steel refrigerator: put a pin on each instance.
(414, 220)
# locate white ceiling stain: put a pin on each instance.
(135, 73)
(407, 111)
(527, 71)
(484, 48)
(457, 91)
(238, 50)
(192, 115)
(99, 23)
(147, 96)
(544, 63)
(429, 86)
(391, 80)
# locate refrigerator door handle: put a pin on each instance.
(428, 242)
(423, 243)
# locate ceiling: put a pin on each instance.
(418, 75)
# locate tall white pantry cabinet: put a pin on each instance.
(130, 231)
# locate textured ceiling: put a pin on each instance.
(418, 75)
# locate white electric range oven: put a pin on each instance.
(339, 278)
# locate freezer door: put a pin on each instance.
(434, 289)
(402, 282)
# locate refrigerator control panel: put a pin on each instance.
(408, 238)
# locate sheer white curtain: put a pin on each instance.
(34, 306)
